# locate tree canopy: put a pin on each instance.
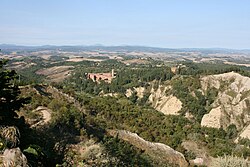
(9, 92)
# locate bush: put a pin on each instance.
(10, 135)
(230, 161)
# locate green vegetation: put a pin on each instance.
(230, 161)
(126, 77)
(129, 155)
(211, 68)
(55, 143)
(9, 92)
(112, 113)
(187, 89)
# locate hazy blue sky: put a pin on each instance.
(163, 23)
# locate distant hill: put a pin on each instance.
(120, 48)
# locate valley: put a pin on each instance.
(126, 106)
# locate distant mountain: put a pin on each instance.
(128, 48)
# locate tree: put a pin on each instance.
(232, 131)
(9, 92)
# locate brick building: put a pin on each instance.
(97, 77)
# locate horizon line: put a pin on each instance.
(122, 45)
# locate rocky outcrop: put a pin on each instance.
(108, 94)
(46, 113)
(10, 154)
(232, 105)
(14, 157)
(245, 133)
(128, 93)
(236, 81)
(140, 91)
(197, 161)
(168, 105)
(213, 118)
(155, 150)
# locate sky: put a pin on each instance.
(158, 23)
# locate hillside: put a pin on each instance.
(232, 105)
(226, 101)
(158, 151)
(148, 115)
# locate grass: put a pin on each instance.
(230, 161)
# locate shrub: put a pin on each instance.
(230, 161)
(10, 135)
